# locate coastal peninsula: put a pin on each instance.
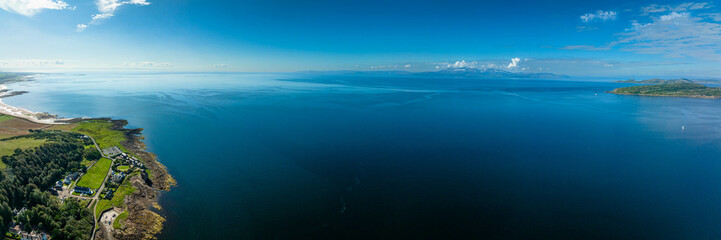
(75, 178)
(669, 88)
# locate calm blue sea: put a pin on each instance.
(303, 156)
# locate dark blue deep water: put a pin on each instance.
(298, 156)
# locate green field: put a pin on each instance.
(123, 168)
(5, 117)
(96, 174)
(118, 221)
(101, 132)
(118, 197)
(8, 147)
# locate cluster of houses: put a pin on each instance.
(130, 160)
(114, 152)
(67, 180)
(33, 235)
(17, 229)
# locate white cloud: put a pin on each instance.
(148, 64)
(675, 34)
(390, 67)
(107, 8)
(599, 15)
(32, 7)
(585, 47)
(462, 64)
(220, 65)
(30, 62)
(673, 16)
(514, 63)
(489, 64)
(713, 16)
(690, 6)
(81, 27)
(100, 16)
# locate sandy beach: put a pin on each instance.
(21, 112)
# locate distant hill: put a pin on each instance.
(656, 81)
(451, 72)
(487, 73)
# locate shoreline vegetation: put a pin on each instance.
(124, 183)
(668, 88)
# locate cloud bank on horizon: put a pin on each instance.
(597, 38)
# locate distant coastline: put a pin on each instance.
(5, 92)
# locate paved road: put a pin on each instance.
(97, 194)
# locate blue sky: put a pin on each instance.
(581, 38)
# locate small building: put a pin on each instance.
(83, 190)
(59, 185)
(109, 195)
(74, 175)
(18, 212)
(117, 177)
(16, 229)
(68, 180)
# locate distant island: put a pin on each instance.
(655, 81)
(668, 88)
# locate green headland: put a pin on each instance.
(669, 88)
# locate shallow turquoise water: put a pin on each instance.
(289, 156)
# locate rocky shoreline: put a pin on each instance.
(142, 221)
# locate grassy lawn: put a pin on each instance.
(123, 168)
(118, 197)
(8, 147)
(5, 117)
(87, 163)
(101, 132)
(96, 174)
(118, 221)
